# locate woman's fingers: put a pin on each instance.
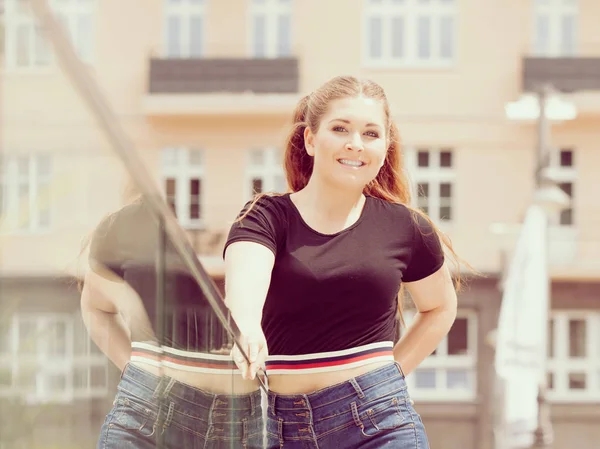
(256, 351)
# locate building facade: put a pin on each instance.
(205, 89)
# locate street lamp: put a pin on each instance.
(544, 107)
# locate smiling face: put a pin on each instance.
(350, 146)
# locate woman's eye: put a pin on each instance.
(339, 128)
(373, 134)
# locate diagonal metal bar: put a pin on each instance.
(121, 144)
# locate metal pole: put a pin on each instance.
(543, 433)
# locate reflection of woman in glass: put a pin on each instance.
(188, 391)
(314, 276)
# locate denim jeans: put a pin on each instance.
(151, 412)
(370, 411)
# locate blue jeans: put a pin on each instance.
(151, 412)
(370, 411)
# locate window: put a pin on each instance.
(50, 358)
(183, 171)
(555, 27)
(574, 356)
(25, 192)
(562, 168)
(26, 46)
(265, 172)
(450, 372)
(184, 28)
(271, 28)
(410, 32)
(431, 171)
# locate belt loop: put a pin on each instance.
(357, 388)
(272, 403)
(169, 386)
(252, 404)
(167, 422)
(158, 390)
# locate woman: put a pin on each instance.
(185, 393)
(313, 279)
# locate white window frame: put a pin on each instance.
(184, 9)
(10, 204)
(46, 365)
(563, 174)
(182, 170)
(71, 11)
(434, 175)
(410, 11)
(560, 364)
(555, 11)
(441, 361)
(268, 171)
(271, 10)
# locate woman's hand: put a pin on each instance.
(254, 345)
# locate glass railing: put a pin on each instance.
(113, 333)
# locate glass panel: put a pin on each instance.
(84, 36)
(577, 381)
(446, 213)
(458, 337)
(284, 35)
(257, 157)
(425, 378)
(445, 190)
(257, 185)
(423, 189)
(196, 36)
(280, 184)
(446, 44)
(195, 195)
(551, 325)
(566, 158)
(445, 158)
(398, 31)
(375, 37)
(23, 46)
(423, 158)
(196, 157)
(260, 36)
(458, 379)
(424, 37)
(577, 338)
(174, 37)
(568, 35)
(542, 34)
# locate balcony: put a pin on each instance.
(577, 78)
(221, 86)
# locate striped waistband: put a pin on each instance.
(331, 361)
(200, 362)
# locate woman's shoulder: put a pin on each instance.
(391, 209)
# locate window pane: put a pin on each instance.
(56, 337)
(458, 337)
(446, 213)
(425, 378)
(445, 190)
(6, 376)
(169, 157)
(42, 49)
(280, 184)
(551, 324)
(260, 36)
(84, 36)
(23, 46)
(567, 187)
(170, 186)
(458, 379)
(195, 192)
(375, 38)
(424, 37)
(257, 157)
(550, 381)
(173, 36)
(542, 34)
(398, 37)
(446, 37)
(577, 338)
(257, 185)
(577, 381)
(80, 378)
(568, 35)
(195, 157)
(445, 158)
(44, 204)
(23, 208)
(284, 35)
(566, 158)
(98, 377)
(423, 189)
(23, 167)
(423, 158)
(196, 34)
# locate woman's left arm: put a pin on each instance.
(436, 304)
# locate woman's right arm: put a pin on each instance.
(248, 268)
(102, 318)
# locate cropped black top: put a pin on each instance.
(331, 293)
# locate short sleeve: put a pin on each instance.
(261, 224)
(427, 254)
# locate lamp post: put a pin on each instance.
(544, 108)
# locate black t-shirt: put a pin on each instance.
(126, 242)
(338, 291)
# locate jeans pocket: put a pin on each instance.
(385, 415)
(135, 415)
